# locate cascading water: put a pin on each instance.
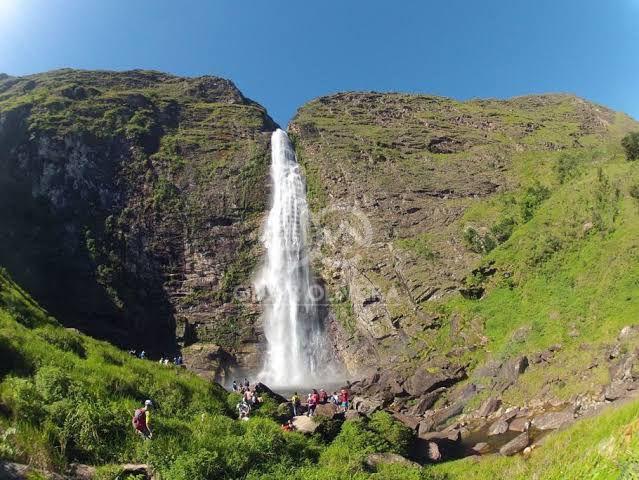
(297, 348)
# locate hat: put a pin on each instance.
(148, 403)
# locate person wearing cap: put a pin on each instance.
(142, 420)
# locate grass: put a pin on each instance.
(65, 397)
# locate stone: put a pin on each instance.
(426, 401)
(367, 406)
(481, 448)
(305, 424)
(423, 381)
(433, 453)
(408, 420)
(552, 420)
(628, 331)
(327, 410)
(516, 445)
(425, 426)
(373, 460)
(262, 389)
(519, 424)
(490, 405)
(498, 427)
(351, 415)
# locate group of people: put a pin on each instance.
(249, 400)
(177, 361)
(322, 397)
(164, 360)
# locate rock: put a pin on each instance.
(262, 389)
(305, 424)
(423, 381)
(373, 460)
(450, 434)
(552, 420)
(628, 331)
(481, 448)
(327, 410)
(433, 453)
(408, 420)
(367, 406)
(615, 391)
(516, 445)
(498, 427)
(489, 406)
(426, 401)
(17, 471)
(442, 416)
(519, 424)
(350, 415)
(79, 471)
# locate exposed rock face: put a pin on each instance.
(516, 445)
(390, 178)
(131, 204)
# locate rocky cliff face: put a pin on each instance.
(438, 222)
(130, 205)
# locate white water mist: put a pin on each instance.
(297, 353)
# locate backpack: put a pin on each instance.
(139, 418)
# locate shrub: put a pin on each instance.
(630, 144)
(532, 198)
(566, 167)
(65, 340)
(52, 383)
(23, 399)
(634, 191)
(479, 243)
(503, 229)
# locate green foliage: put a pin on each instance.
(418, 245)
(634, 191)
(532, 198)
(566, 167)
(503, 229)
(630, 144)
(477, 242)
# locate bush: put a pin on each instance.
(23, 399)
(566, 167)
(630, 144)
(65, 340)
(479, 243)
(52, 383)
(397, 436)
(533, 197)
(503, 229)
(634, 191)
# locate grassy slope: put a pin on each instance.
(65, 397)
(596, 448)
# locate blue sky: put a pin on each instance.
(284, 53)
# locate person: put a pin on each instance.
(246, 383)
(161, 360)
(179, 360)
(142, 354)
(335, 398)
(288, 426)
(296, 402)
(323, 396)
(142, 420)
(312, 402)
(244, 409)
(247, 395)
(234, 386)
(343, 398)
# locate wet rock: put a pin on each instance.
(516, 445)
(433, 454)
(498, 427)
(305, 424)
(552, 420)
(489, 406)
(481, 448)
(373, 460)
(262, 389)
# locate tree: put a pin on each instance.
(630, 144)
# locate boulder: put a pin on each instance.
(373, 460)
(481, 448)
(305, 424)
(367, 406)
(442, 416)
(262, 389)
(498, 427)
(424, 381)
(350, 415)
(328, 410)
(425, 426)
(516, 445)
(553, 420)
(408, 420)
(489, 406)
(628, 332)
(426, 401)
(519, 424)
(432, 452)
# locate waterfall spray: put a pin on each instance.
(298, 353)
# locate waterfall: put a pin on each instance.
(297, 351)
